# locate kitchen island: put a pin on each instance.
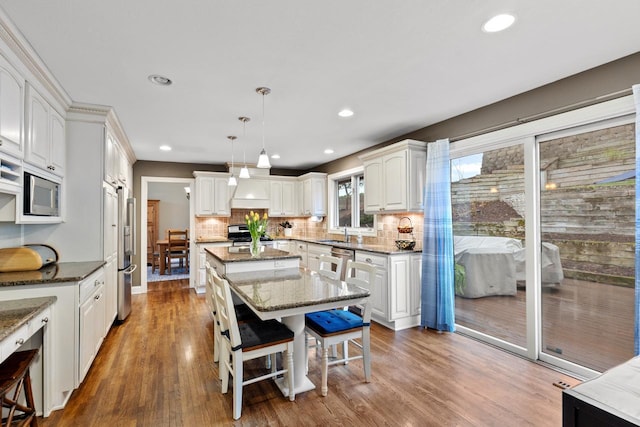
(289, 294)
(238, 259)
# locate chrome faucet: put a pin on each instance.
(346, 235)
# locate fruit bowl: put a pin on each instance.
(405, 244)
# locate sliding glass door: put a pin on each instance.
(488, 207)
(587, 224)
(544, 241)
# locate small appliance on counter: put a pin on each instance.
(27, 258)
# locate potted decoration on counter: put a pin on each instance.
(287, 228)
(257, 228)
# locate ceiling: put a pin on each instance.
(399, 66)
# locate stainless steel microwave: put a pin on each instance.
(41, 196)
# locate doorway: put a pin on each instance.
(148, 182)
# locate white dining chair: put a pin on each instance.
(336, 326)
(211, 301)
(330, 266)
(241, 342)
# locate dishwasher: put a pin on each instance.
(344, 254)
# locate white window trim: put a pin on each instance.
(331, 193)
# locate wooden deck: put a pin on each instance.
(156, 369)
(588, 323)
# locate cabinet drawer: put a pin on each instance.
(14, 341)
(89, 285)
(368, 257)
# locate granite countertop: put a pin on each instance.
(291, 288)
(382, 249)
(52, 273)
(242, 254)
(15, 313)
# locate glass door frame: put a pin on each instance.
(529, 134)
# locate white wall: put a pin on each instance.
(174, 205)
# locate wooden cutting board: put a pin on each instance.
(20, 259)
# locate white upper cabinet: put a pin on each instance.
(212, 194)
(282, 201)
(394, 177)
(45, 146)
(314, 194)
(11, 110)
(111, 162)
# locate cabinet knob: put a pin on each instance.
(369, 260)
(97, 297)
(96, 283)
(45, 320)
(20, 341)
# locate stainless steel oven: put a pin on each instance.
(240, 236)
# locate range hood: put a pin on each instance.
(251, 194)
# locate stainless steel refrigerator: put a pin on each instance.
(126, 250)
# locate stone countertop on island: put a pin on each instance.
(52, 273)
(242, 254)
(15, 313)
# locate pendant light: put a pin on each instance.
(263, 160)
(244, 172)
(232, 179)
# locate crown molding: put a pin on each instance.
(29, 58)
(103, 114)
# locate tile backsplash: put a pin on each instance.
(387, 233)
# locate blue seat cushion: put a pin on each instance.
(332, 321)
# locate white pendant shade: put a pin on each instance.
(244, 173)
(233, 181)
(263, 160)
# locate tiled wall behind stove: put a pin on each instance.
(305, 228)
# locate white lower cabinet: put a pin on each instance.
(200, 264)
(300, 248)
(63, 365)
(284, 245)
(313, 255)
(395, 295)
(91, 320)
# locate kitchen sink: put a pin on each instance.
(331, 241)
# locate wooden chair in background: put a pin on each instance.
(178, 247)
(155, 254)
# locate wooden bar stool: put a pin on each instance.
(14, 372)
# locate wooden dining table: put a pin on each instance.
(163, 245)
(289, 294)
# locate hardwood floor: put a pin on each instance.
(156, 369)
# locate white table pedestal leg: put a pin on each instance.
(300, 381)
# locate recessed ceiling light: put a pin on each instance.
(165, 148)
(159, 80)
(328, 151)
(345, 113)
(499, 23)
(275, 156)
